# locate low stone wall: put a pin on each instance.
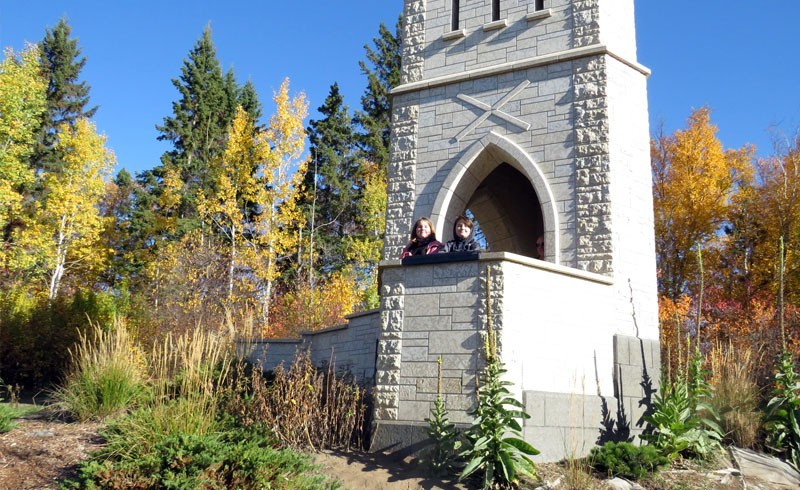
(352, 347)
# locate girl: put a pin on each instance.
(463, 237)
(423, 239)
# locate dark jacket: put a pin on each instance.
(462, 244)
(422, 247)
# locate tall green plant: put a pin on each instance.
(442, 455)
(496, 448)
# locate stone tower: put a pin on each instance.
(532, 116)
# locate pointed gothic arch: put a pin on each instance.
(506, 191)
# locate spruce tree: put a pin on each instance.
(67, 95)
(200, 121)
(331, 182)
(384, 74)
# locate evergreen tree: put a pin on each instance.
(331, 184)
(67, 96)
(199, 123)
(375, 118)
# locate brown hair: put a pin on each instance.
(414, 229)
(466, 221)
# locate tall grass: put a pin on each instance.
(106, 376)
(736, 393)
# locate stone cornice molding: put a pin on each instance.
(533, 62)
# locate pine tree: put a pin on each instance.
(331, 184)
(199, 124)
(67, 96)
(375, 118)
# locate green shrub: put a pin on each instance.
(626, 459)
(234, 459)
(106, 377)
(36, 335)
(782, 418)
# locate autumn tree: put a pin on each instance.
(67, 96)
(775, 206)
(22, 101)
(64, 232)
(254, 207)
(238, 188)
(694, 179)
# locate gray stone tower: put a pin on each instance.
(532, 116)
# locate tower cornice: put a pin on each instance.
(532, 62)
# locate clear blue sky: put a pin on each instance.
(739, 58)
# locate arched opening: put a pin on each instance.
(507, 210)
(502, 187)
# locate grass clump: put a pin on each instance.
(626, 460)
(736, 395)
(107, 375)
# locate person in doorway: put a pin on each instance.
(463, 237)
(423, 239)
(540, 248)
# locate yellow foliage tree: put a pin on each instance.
(64, 232)
(313, 308)
(255, 202)
(364, 249)
(22, 101)
(776, 206)
(280, 220)
(694, 179)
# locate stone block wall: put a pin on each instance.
(561, 356)
(352, 347)
(571, 424)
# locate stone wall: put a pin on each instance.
(351, 346)
(553, 348)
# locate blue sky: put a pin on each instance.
(738, 58)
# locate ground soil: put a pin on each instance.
(42, 451)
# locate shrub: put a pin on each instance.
(36, 335)
(782, 418)
(303, 406)
(234, 459)
(107, 375)
(441, 457)
(7, 416)
(626, 459)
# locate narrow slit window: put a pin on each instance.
(454, 21)
(538, 5)
(496, 10)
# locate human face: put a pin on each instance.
(462, 230)
(540, 247)
(423, 230)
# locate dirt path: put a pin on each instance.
(39, 452)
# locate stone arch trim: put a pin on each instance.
(466, 175)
